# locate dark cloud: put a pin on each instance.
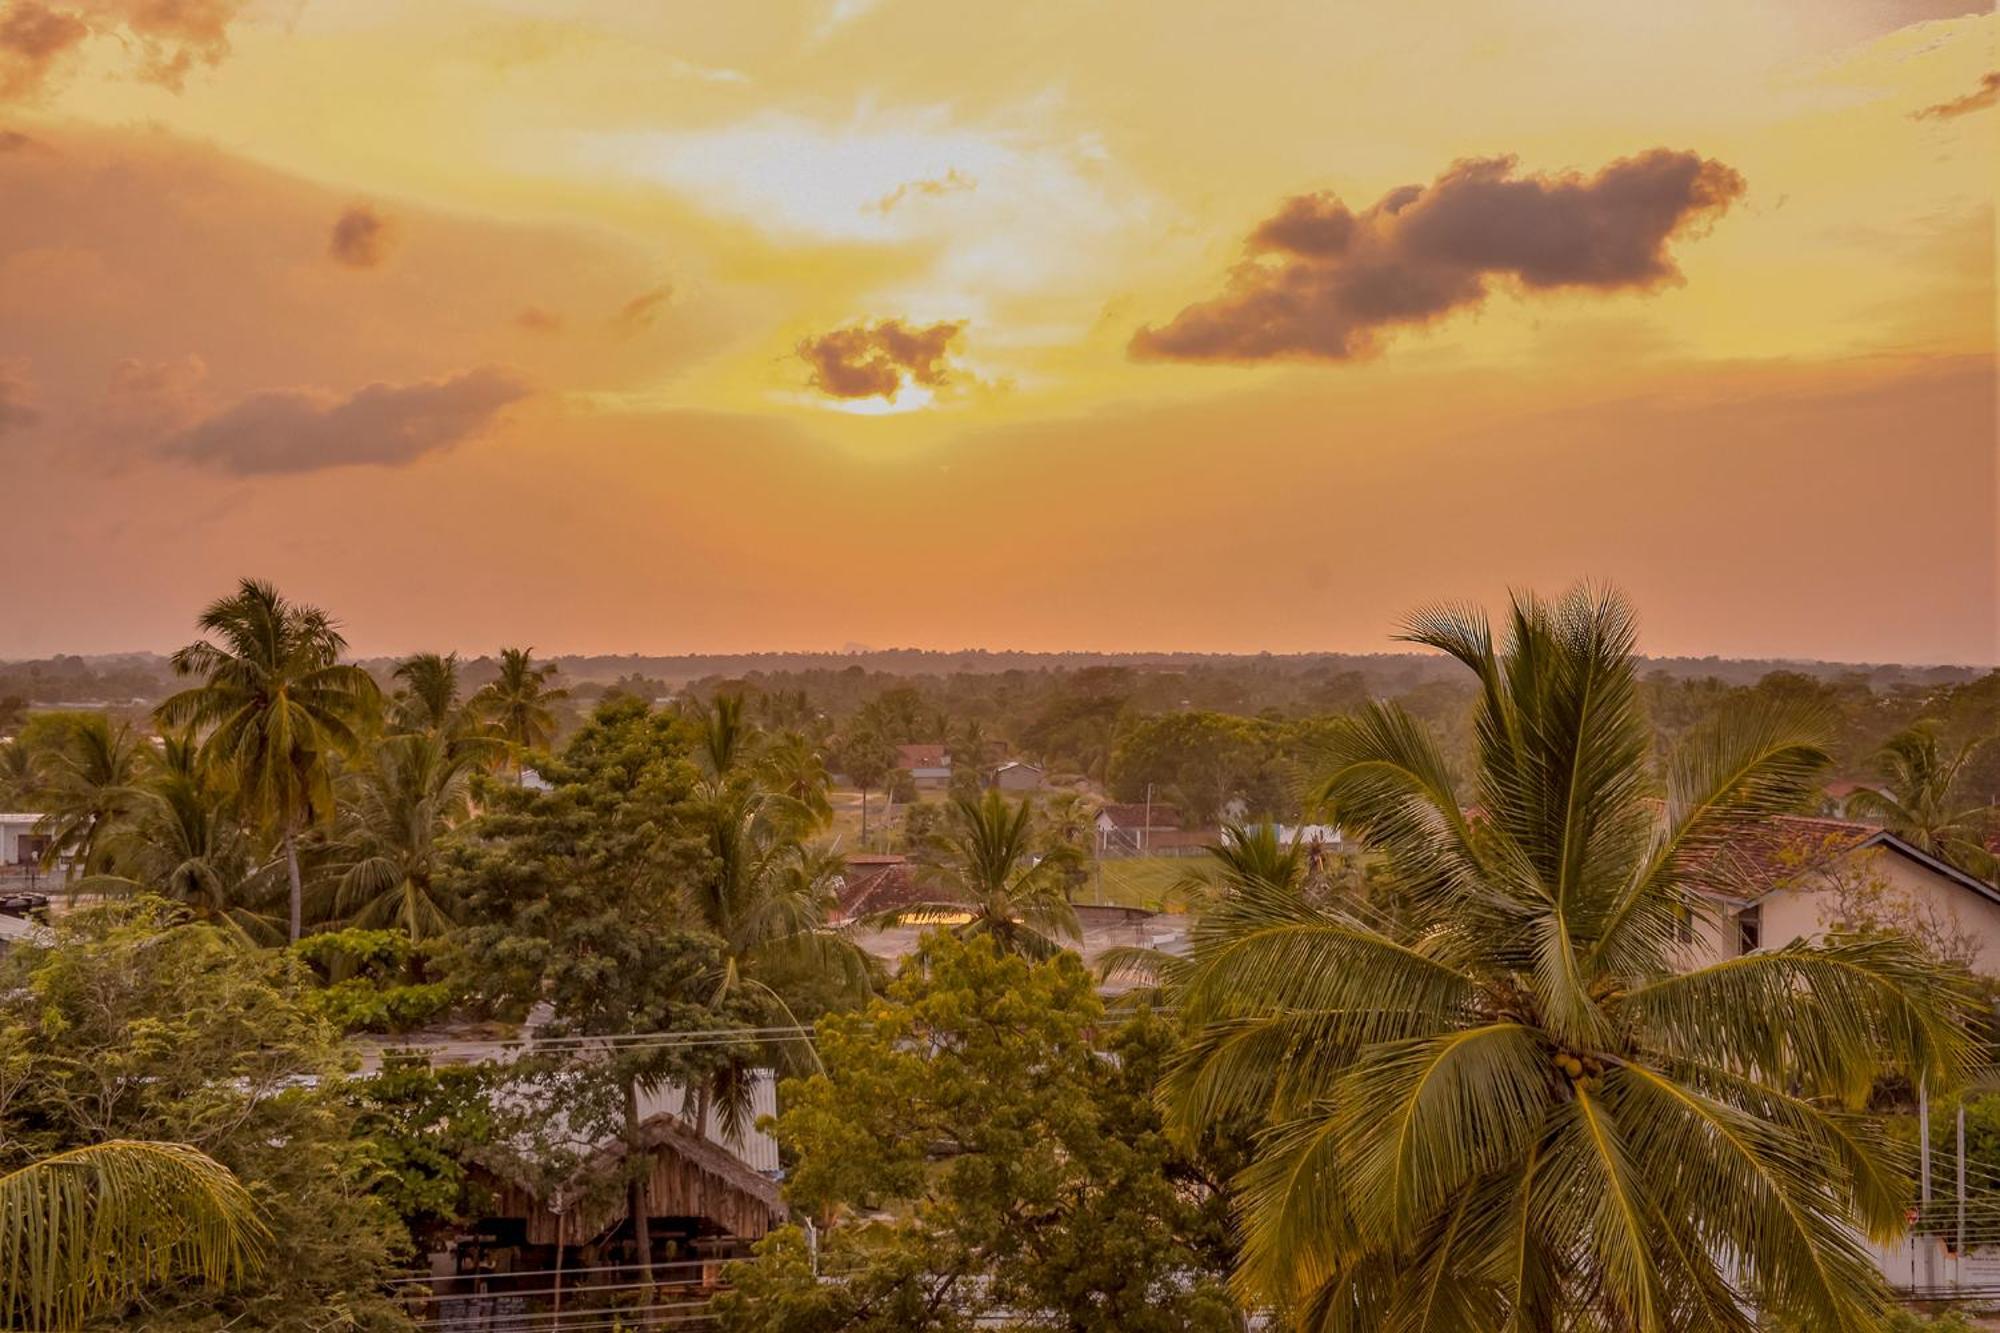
(1985, 95)
(361, 237)
(864, 361)
(16, 399)
(1320, 281)
(13, 141)
(168, 37)
(537, 320)
(640, 312)
(298, 430)
(33, 37)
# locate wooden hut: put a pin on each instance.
(692, 1185)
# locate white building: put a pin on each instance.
(20, 845)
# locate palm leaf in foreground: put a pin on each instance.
(85, 1230)
(1514, 1106)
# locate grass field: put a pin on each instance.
(1139, 881)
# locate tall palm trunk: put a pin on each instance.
(297, 886)
(635, 1188)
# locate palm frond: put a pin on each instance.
(83, 1231)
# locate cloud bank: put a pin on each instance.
(33, 37)
(1320, 281)
(868, 361)
(168, 37)
(302, 430)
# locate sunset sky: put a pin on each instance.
(665, 328)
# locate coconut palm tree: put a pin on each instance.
(992, 864)
(428, 701)
(519, 702)
(1923, 804)
(84, 1231)
(85, 783)
(1513, 1107)
(387, 846)
(276, 706)
(767, 896)
(792, 766)
(17, 776)
(181, 836)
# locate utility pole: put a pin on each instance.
(1146, 829)
(1923, 1237)
(1958, 1268)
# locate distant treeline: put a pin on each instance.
(125, 678)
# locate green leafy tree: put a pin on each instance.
(134, 1023)
(866, 758)
(978, 1153)
(989, 860)
(85, 1231)
(1512, 1108)
(576, 896)
(426, 1124)
(276, 706)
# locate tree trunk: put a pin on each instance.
(635, 1189)
(298, 889)
(864, 818)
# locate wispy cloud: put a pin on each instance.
(1985, 95)
(305, 430)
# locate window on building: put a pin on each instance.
(1750, 930)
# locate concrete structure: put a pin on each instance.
(1015, 775)
(1794, 878)
(20, 845)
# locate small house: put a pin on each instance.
(1130, 830)
(1018, 776)
(1796, 878)
(929, 766)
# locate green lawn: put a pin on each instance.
(1139, 881)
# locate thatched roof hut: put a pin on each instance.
(689, 1177)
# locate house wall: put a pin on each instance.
(1909, 891)
(1792, 914)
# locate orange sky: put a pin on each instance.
(662, 328)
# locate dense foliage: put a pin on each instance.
(1451, 1076)
(986, 1143)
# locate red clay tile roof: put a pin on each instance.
(922, 756)
(870, 888)
(1777, 851)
